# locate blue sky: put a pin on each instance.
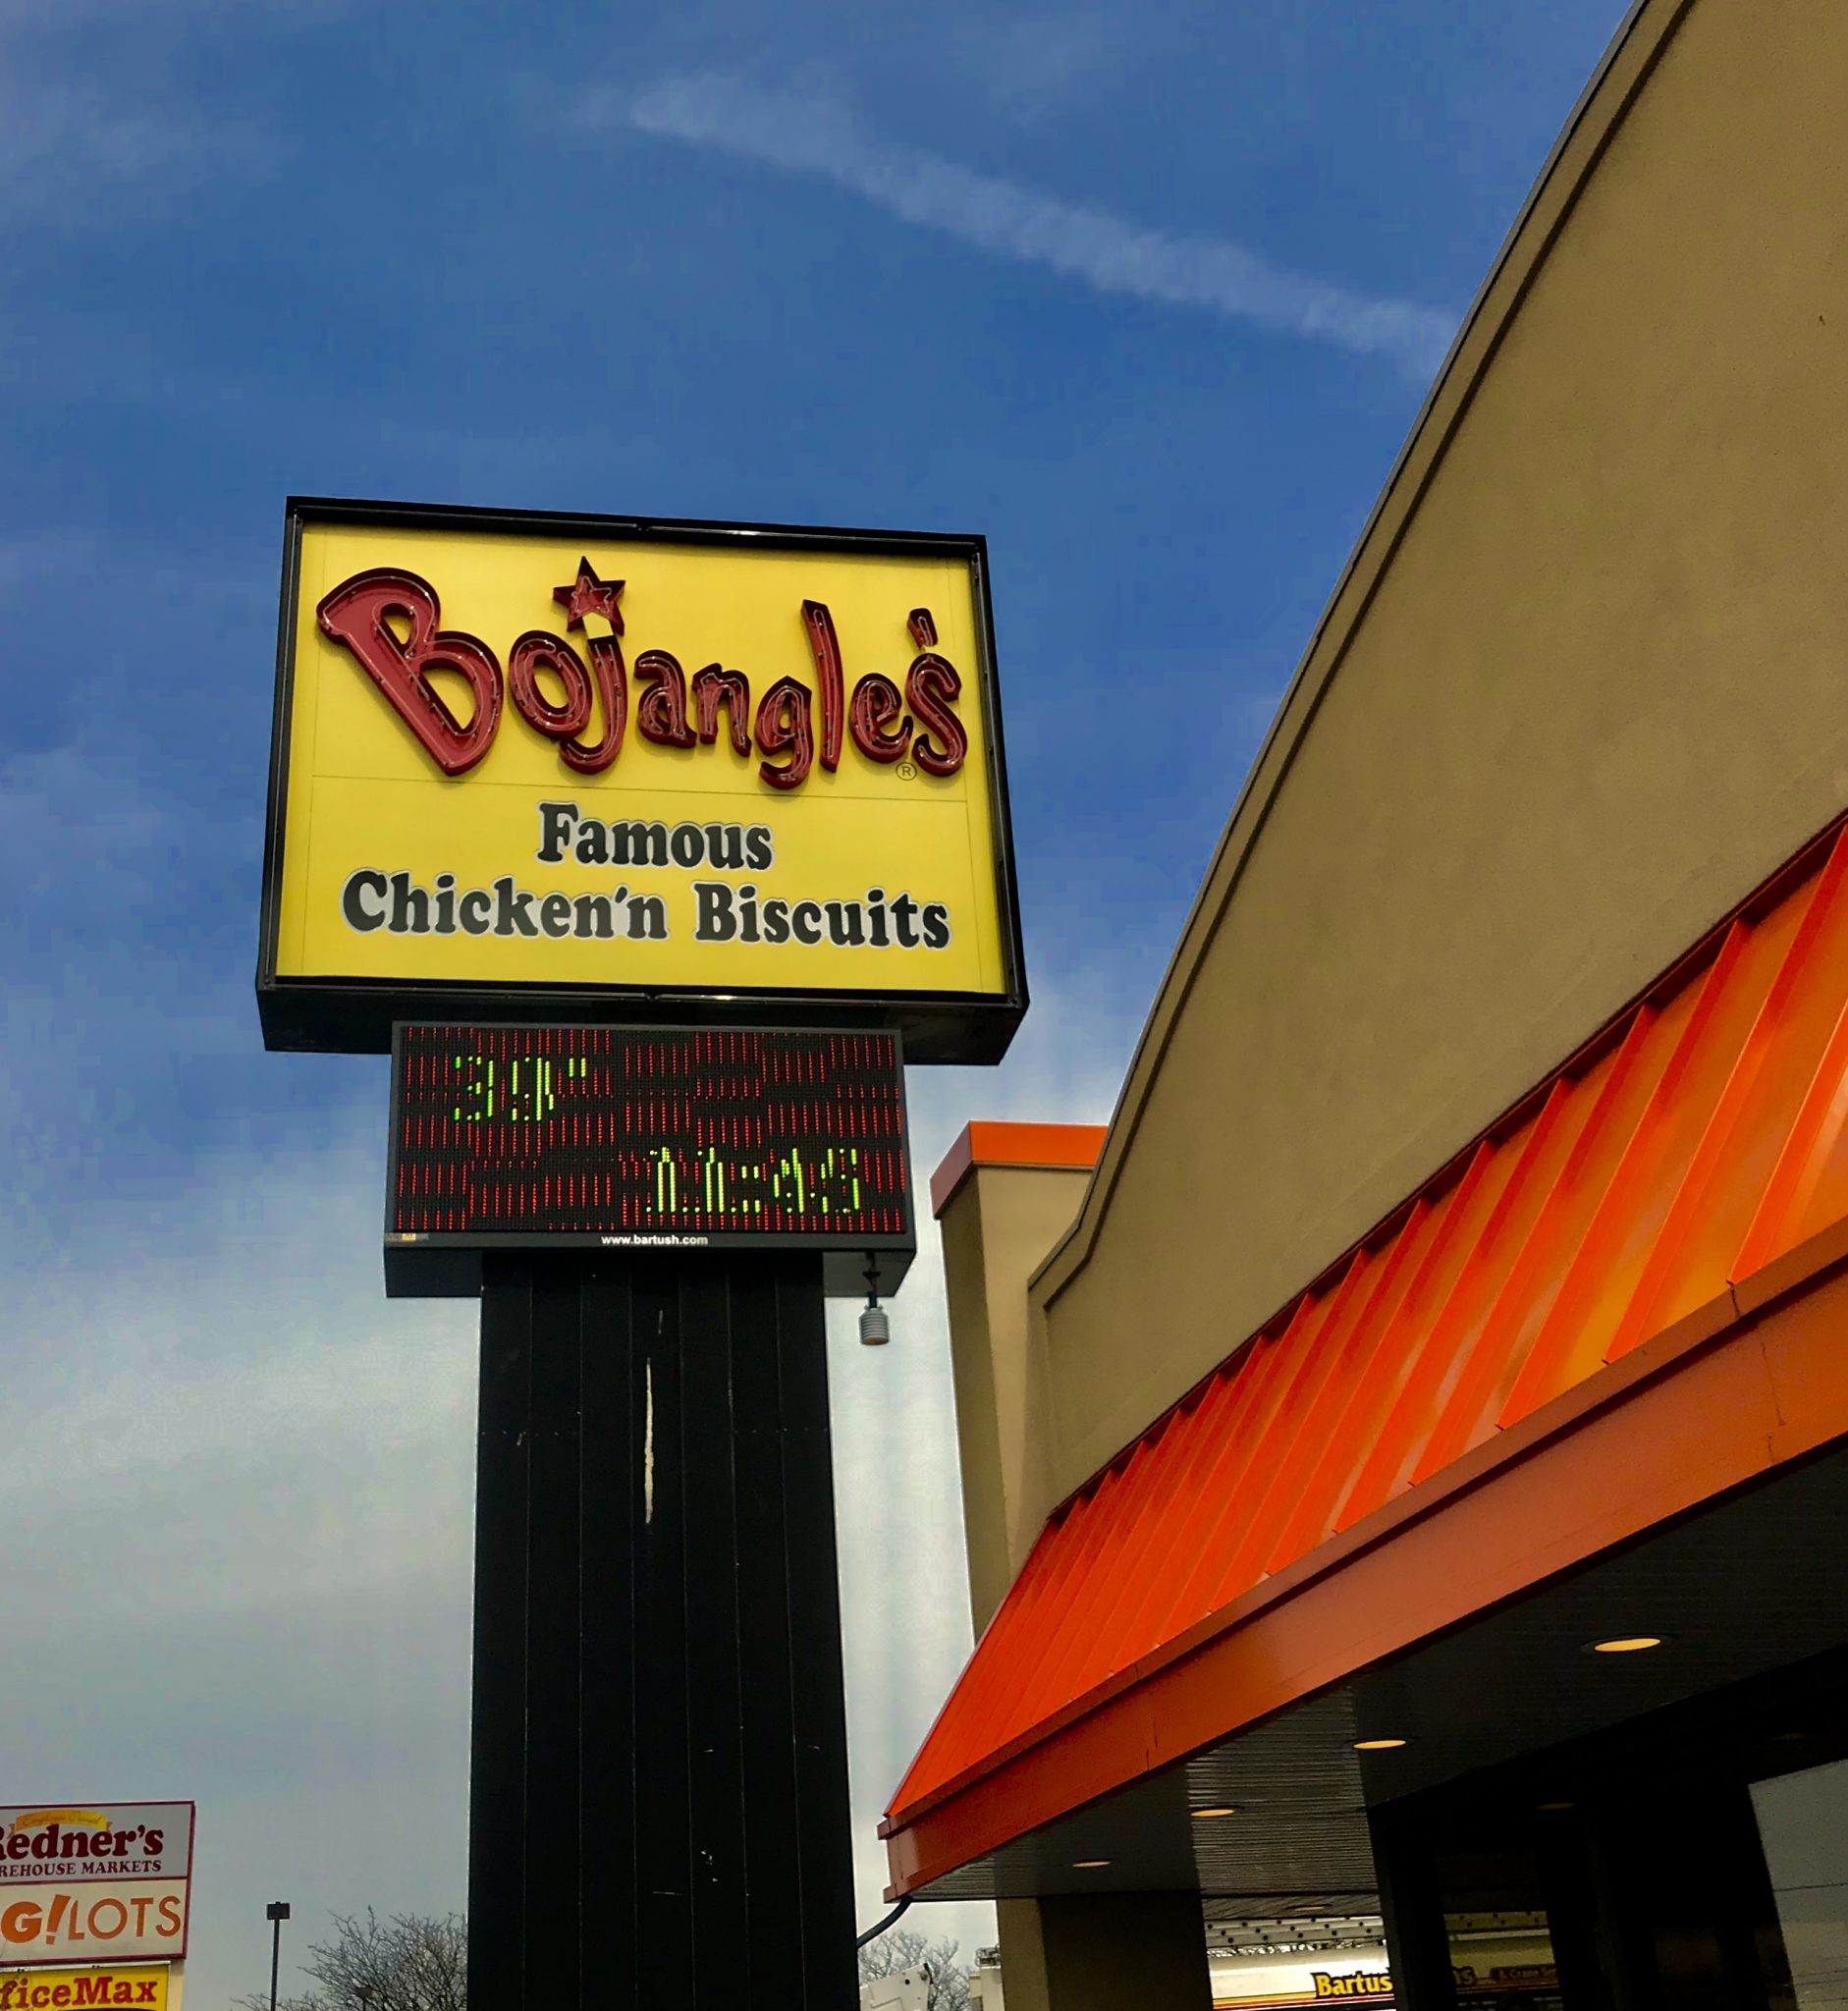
(1148, 296)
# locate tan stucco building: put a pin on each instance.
(1455, 1288)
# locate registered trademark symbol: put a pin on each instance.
(908, 770)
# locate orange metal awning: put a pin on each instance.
(1669, 1178)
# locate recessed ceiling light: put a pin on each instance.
(1624, 1643)
(1377, 1745)
(1089, 1863)
(1553, 1807)
(1206, 1815)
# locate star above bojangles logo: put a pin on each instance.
(589, 595)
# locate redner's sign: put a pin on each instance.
(94, 1883)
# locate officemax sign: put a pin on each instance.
(143, 1986)
(588, 769)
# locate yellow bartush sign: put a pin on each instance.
(577, 768)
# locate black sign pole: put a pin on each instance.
(658, 1805)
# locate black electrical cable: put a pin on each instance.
(873, 1933)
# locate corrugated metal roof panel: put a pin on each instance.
(1704, 1138)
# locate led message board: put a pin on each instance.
(640, 1139)
(601, 769)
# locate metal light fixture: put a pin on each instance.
(275, 1913)
(875, 1327)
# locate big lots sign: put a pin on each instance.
(530, 768)
(95, 1881)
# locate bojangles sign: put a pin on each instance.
(561, 767)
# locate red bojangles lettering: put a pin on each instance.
(661, 717)
(930, 687)
(359, 614)
(367, 613)
(830, 678)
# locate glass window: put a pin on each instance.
(1803, 1825)
(1502, 1958)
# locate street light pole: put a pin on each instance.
(277, 1912)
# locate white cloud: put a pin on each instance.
(804, 136)
(63, 144)
(51, 20)
(88, 1027)
(237, 1488)
(237, 1491)
(1031, 64)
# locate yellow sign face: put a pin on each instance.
(568, 767)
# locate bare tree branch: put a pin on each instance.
(411, 1962)
(900, 1948)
